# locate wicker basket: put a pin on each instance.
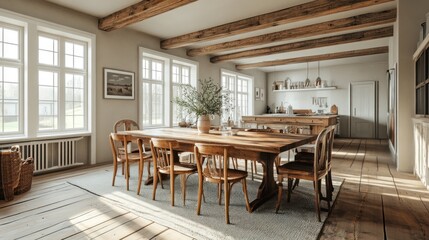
(26, 177)
(10, 169)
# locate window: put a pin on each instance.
(153, 93)
(10, 79)
(239, 88)
(180, 76)
(161, 77)
(62, 91)
(46, 73)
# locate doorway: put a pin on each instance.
(363, 109)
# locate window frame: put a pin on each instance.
(29, 77)
(235, 116)
(169, 61)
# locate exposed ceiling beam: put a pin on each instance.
(309, 44)
(138, 12)
(301, 12)
(329, 56)
(344, 24)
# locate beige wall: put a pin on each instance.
(119, 50)
(410, 15)
(340, 76)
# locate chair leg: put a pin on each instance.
(227, 191)
(219, 191)
(317, 199)
(123, 168)
(200, 193)
(141, 168)
(172, 188)
(279, 194)
(160, 179)
(328, 193)
(253, 170)
(155, 183)
(246, 197)
(148, 169)
(289, 188)
(115, 169)
(296, 183)
(127, 174)
(183, 185)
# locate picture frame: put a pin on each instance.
(118, 84)
(262, 94)
(257, 96)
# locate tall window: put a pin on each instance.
(46, 73)
(10, 79)
(180, 76)
(161, 77)
(239, 88)
(62, 77)
(153, 92)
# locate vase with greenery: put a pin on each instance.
(204, 103)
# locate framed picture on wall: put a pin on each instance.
(118, 84)
(262, 94)
(257, 95)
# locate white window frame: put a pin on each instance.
(31, 27)
(235, 116)
(16, 63)
(169, 61)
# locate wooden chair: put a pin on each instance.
(127, 125)
(125, 157)
(163, 161)
(217, 171)
(302, 170)
(308, 157)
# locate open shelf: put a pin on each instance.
(305, 89)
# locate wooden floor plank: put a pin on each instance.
(148, 232)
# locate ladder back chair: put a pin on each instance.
(164, 163)
(301, 170)
(216, 170)
(127, 125)
(308, 157)
(125, 157)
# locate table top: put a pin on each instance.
(252, 141)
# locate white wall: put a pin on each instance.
(117, 49)
(340, 76)
(410, 15)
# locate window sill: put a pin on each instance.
(44, 136)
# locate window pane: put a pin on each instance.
(48, 97)
(79, 122)
(78, 63)
(69, 122)
(69, 94)
(11, 124)
(69, 48)
(146, 103)
(48, 51)
(78, 50)
(11, 36)
(69, 61)
(157, 104)
(11, 74)
(11, 91)
(11, 51)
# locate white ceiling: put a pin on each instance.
(209, 13)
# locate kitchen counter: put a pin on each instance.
(315, 122)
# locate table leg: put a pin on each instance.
(268, 187)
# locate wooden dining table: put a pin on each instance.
(256, 146)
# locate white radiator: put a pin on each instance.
(49, 154)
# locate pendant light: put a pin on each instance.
(318, 79)
(307, 81)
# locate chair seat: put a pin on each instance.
(304, 156)
(132, 157)
(179, 168)
(302, 168)
(233, 174)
